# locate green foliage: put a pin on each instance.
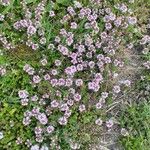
(137, 120)
(63, 2)
(10, 116)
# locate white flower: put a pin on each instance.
(132, 20)
(99, 121)
(1, 135)
(35, 147)
(74, 145)
(77, 4)
(44, 147)
(124, 132)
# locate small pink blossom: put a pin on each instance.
(50, 129)
(64, 107)
(34, 98)
(99, 105)
(47, 77)
(77, 97)
(51, 13)
(99, 121)
(109, 123)
(36, 79)
(24, 102)
(116, 89)
(62, 121)
(44, 62)
(54, 104)
(79, 82)
(38, 130)
(42, 118)
(31, 30)
(82, 108)
(73, 25)
(23, 94)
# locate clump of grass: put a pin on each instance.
(136, 119)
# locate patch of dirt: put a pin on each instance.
(131, 71)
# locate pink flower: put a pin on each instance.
(63, 32)
(38, 130)
(99, 121)
(69, 82)
(72, 90)
(67, 113)
(77, 97)
(64, 107)
(147, 64)
(54, 82)
(39, 138)
(99, 105)
(107, 60)
(2, 71)
(30, 70)
(57, 62)
(127, 82)
(54, 72)
(50, 129)
(104, 95)
(35, 46)
(54, 104)
(69, 41)
(70, 102)
(42, 118)
(35, 111)
(123, 8)
(31, 30)
(71, 11)
(108, 26)
(51, 13)
(73, 25)
(62, 121)
(79, 82)
(98, 77)
(36, 79)
(57, 39)
(23, 94)
(82, 108)
(19, 141)
(132, 20)
(44, 62)
(35, 147)
(79, 67)
(61, 82)
(51, 46)
(109, 123)
(46, 77)
(77, 4)
(116, 89)
(34, 98)
(91, 64)
(24, 102)
(26, 121)
(64, 50)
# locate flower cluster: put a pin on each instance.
(85, 71)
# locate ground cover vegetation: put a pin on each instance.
(62, 80)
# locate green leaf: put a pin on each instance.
(63, 2)
(30, 1)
